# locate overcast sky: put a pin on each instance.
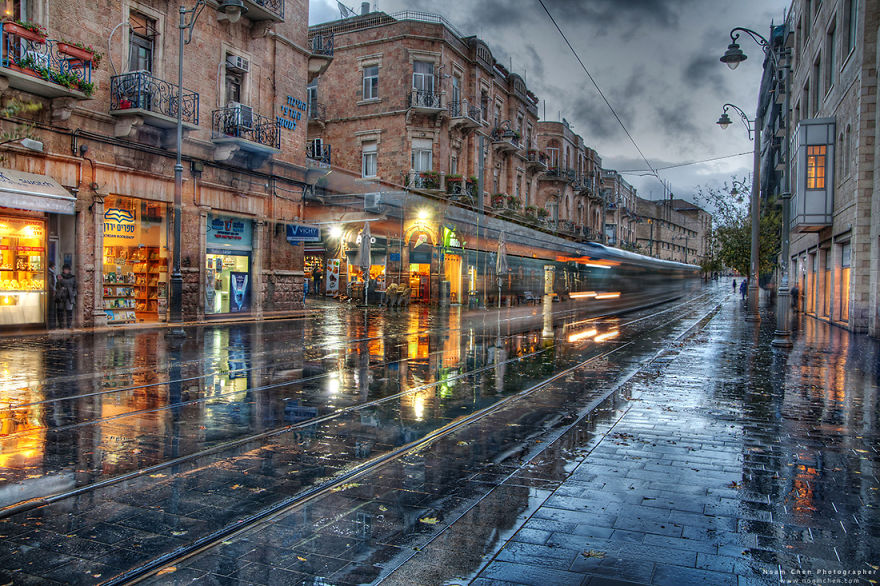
(655, 60)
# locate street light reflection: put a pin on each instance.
(608, 296)
(582, 295)
(582, 335)
(333, 383)
(608, 336)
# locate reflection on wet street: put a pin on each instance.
(297, 449)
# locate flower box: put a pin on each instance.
(13, 28)
(75, 52)
(19, 69)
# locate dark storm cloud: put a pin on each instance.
(703, 70)
(599, 14)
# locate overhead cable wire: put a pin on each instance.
(598, 89)
(688, 164)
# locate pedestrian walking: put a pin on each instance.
(795, 293)
(52, 321)
(316, 276)
(734, 286)
(744, 288)
(305, 289)
(65, 297)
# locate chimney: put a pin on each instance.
(365, 8)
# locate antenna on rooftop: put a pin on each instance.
(345, 11)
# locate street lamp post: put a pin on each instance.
(733, 57)
(232, 9)
(754, 131)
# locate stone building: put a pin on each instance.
(99, 194)
(408, 99)
(569, 190)
(835, 233)
(621, 215)
(673, 229)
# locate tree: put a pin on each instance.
(733, 227)
(13, 109)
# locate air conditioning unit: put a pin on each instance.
(244, 115)
(237, 63)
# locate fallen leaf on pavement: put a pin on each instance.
(592, 553)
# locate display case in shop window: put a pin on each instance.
(22, 271)
(133, 283)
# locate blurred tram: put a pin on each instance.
(589, 272)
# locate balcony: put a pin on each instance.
(463, 116)
(321, 54)
(536, 161)
(555, 174)
(317, 114)
(138, 96)
(44, 67)
(424, 102)
(460, 189)
(505, 140)
(240, 130)
(318, 155)
(265, 10)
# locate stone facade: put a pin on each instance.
(673, 230)
(836, 266)
(467, 96)
(121, 143)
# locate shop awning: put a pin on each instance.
(39, 193)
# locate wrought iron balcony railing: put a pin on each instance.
(463, 109)
(423, 99)
(461, 188)
(265, 9)
(319, 153)
(246, 125)
(140, 90)
(46, 59)
(511, 136)
(321, 45)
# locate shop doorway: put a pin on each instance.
(420, 281)
(453, 275)
(227, 287)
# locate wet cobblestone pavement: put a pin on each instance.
(728, 463)
(675, 447)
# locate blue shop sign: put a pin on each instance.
(229, 232)
(297, 233)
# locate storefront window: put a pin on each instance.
(22, 270)
(228, 265)
(845, 264)
(227, 289)
(135, 267)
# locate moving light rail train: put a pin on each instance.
(581, 273)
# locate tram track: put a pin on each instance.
(44, 500)
(267, 515)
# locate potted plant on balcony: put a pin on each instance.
(430, 179)
(25, 30)
(531, 211)
(513, 202)
(454, 184)
(80, 52)
(542, 213)
(498, 200)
